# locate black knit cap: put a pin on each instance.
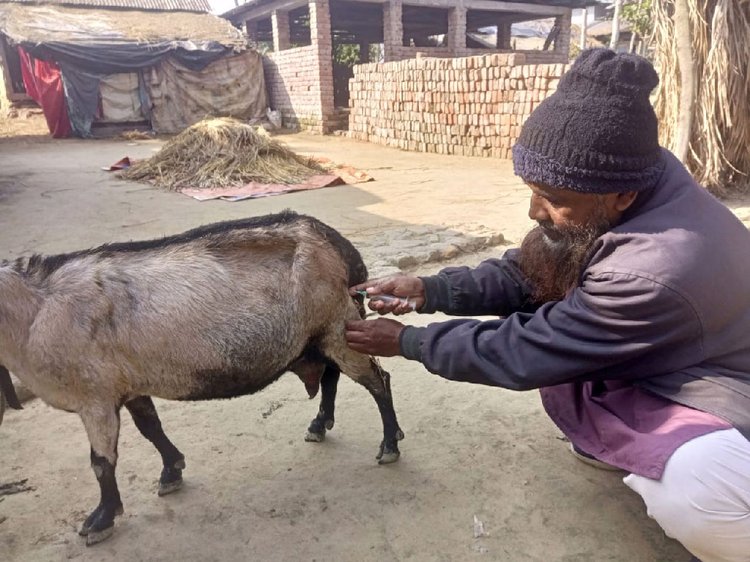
(598, 132)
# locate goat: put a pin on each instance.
(216, 312)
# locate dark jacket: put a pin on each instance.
(664, 302)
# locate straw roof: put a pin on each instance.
(91, 26)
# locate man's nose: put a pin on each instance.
(538, 210)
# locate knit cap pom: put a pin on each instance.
(620, 73)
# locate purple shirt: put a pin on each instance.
(625, 426)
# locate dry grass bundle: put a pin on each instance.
(135, 135)
(222, 152)
(719, 156)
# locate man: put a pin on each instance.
(628, 306)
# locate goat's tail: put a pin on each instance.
(352, 258)
(7, 391)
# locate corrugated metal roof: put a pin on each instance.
(151, 5)
(602, 28)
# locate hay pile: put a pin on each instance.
(718, 155)
(222, 152)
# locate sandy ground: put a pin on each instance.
(254, 489)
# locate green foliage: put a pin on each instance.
(346, 55)
(638, 14)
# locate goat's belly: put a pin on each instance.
(219, 383)
(50, 389)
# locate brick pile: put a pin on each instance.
(471, 106)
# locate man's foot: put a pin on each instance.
(591, 460)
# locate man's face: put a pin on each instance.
(561, 208)
(554, 253)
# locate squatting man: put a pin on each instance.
(628, 306)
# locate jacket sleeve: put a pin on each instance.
(615, 326)
(495, 287)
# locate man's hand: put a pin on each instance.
(399, 285)
(375, 337)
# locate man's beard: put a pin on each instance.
(553, 257)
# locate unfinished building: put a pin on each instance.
(311, 46)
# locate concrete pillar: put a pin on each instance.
(281, 36)
(252, 30)
(322, 41)
(457, 30)
(503, 34)
(562, 42)
(393, 29)
(364, 53)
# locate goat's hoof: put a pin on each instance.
(388, 458)
(399, 435)
(329, 424)
(313, 437)
(169, 487)
(171, 478)
(100, 524)
(94, 537)
(388, 453)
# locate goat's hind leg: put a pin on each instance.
(147, 421)
(102, 423)
(325, 418)
(367, 371)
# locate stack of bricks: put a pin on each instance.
(472, 106)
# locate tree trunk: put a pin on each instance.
(584, 28)
(686, 64)
(616, 25)
(633, 37)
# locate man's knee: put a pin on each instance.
(703, 497)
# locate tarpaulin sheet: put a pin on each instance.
(230, 87)
(82, 97)
(121, 101)
(112, 41)
(114, 58)
(43, 83)
(339, 174)
(255, 190)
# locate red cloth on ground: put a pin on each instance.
(43, 83)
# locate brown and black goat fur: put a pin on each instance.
(216, 312)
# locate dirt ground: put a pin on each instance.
(254, 490)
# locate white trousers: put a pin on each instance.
(703, 497)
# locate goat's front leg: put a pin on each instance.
(102, 423)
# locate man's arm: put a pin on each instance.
(495, 287)
(618, 326)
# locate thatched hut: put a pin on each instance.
(163, 64)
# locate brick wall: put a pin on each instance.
(293, 86)
(473, 106)
(300, 80)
